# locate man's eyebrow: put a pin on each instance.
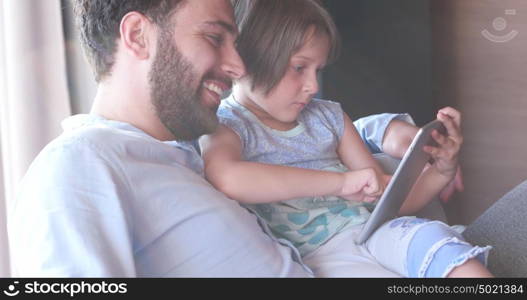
(229, 27)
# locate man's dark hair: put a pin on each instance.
(99, 21)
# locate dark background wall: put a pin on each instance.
(385, 65)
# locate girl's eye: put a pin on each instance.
(298, 68)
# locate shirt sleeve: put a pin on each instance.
(232, 119)
(329, 113)
(69, 219)
(372, 128)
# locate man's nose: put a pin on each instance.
(232, 63)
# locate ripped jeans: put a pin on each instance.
(414, 247)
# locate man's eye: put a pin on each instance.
(216, 39)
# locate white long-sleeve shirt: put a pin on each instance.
(107, 200)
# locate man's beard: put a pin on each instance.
(175, 92)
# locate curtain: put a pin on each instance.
(81, 82)
(33, 93)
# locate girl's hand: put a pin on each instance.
(446, 155)
(362, 185)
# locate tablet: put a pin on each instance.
(409, 169)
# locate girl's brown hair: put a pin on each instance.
(271, 31)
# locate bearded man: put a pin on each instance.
(121, 192)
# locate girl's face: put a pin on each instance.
(280, 108)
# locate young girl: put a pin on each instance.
(299, 163)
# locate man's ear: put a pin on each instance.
(135, 36)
